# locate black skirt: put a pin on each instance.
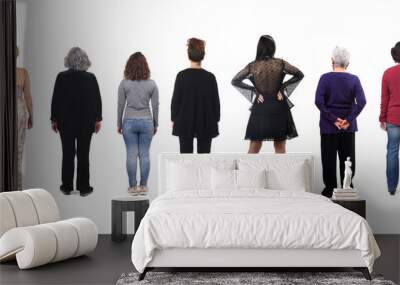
(271, 121)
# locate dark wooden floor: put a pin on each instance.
(110, 260)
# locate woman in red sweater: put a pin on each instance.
(390, 118)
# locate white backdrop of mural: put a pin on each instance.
(305, 32)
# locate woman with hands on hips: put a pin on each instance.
(270, 118)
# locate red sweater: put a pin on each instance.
(390, 101)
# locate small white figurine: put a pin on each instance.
(347, 174)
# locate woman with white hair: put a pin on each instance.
(340, 99)
(76, 114)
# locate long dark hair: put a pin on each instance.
(137, 68)
(265, 48)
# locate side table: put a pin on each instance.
(357, 206)
(119, 207)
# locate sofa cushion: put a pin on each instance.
(7, 220)
(45, 205)
(23, 208)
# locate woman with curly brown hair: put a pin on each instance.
(136, 122)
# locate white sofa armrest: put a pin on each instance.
(32, 246)
(37, 245)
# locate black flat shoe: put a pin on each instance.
(392, 193)
(85, 192)
(66, 190)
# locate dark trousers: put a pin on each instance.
(75, 143)
(203, 145)
(332, 145)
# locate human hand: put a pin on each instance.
(54, 126)
(30, 122)
(342, 124)
(345, 125)
(260, 99)
(338, 123)
(280, 96)
(119, 130)
(97, 127)
(383, 126)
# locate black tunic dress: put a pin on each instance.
(195, 107)
(272, 119)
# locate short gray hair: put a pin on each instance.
(77, 59)
(340, 57)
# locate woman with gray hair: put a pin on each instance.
(76, 114)
(340, 99)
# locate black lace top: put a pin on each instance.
(267, 77)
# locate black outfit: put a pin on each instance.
(332, 145)
(195, 109)
(203, 145)
(272, 119)
(76, 107)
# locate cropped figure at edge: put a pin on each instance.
(270, 118)
(24, 114)
(340, 99)
(195, 106)
(76, 113)
(136, 122)
(390, 118)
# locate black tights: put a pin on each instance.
(203, 145)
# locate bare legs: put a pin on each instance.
(280, 146)
(255, 146)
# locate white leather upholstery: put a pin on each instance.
(31, 233)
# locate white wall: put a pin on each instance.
(305, 32)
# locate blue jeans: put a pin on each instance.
(138, 134)
(392, 158)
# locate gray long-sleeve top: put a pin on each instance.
(134, 97)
